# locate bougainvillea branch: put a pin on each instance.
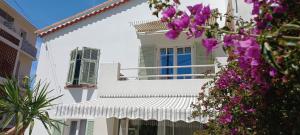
(258, 92)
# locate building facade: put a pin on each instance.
(17, 43)
(120, 75)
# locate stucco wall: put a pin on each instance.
(112, 33)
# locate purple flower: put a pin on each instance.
(209, 44)
(251, 110)
(225, 119)
(172, 34)
(246, 43)
(268, 17)
(194, 9)
(254, 63)
(273, 72)
(234, 131)
(169, 12)
(183, 22)
(253, 52)
(255, 10)
(229, 39)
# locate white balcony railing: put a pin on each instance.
(197, 72)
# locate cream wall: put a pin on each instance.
(20, 22)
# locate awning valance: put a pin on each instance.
(145, 108)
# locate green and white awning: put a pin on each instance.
(145, 108)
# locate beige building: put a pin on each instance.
(17, 43)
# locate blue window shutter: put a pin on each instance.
(89, 127)
(61, 127)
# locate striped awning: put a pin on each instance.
(145, 108)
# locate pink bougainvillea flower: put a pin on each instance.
(209, 44)
(172, 34)
(194, 9)
(183, 22)
(169, 12)
(273, 72)
(225, 119)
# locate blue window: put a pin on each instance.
(176, 57)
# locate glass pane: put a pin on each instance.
(85, 70)
(170, 51)
(188, 50)
(148, 127)
(163, 51)
(169, 127)
(73, 128)
(92, 73)
(183, 128)
(179, 50)
(94, 55)
(86, 53)
(70, 72)
(184, 59)
(73, 55)
(122, 127)
(167, 60)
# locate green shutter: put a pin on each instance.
(147, 59)
(89, 127)
(89, 66)
(61, 127)
(73, 56)
(200, 58)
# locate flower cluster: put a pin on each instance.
(192, 21)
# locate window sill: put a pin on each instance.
(81, 86)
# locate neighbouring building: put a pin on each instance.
(120, 75)
(17, 44)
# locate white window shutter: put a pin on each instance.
(73, 56)
(89, 127)
(61, 128)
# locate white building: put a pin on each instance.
(120, 75)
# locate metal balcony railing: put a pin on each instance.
(154, 73)
(28, 48)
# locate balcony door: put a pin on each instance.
(172, 57)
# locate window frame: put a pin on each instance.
(175, 60)
(71, 74)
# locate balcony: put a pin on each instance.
(197, 72)
(29, 48)
(112, 83)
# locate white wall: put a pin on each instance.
(112, 33)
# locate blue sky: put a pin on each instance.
(42, 13)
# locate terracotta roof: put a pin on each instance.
(110, 4)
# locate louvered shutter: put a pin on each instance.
(200, 58)
(147, 59)
(73, 56)
(61, 127)
(89, 66)
(89, 127)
